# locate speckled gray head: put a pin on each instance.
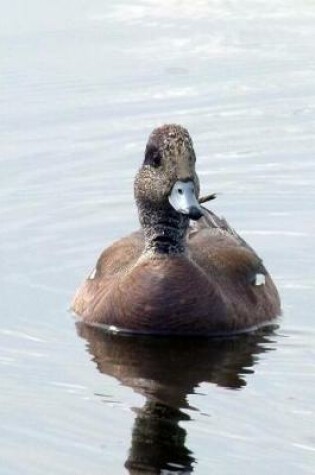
(168, 172)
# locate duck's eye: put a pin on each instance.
(152, 156)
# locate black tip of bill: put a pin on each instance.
(195, 213)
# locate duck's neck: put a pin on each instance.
(164, 229)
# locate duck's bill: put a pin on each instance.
(184, 200)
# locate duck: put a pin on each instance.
(186, 271)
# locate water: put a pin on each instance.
(82, 85)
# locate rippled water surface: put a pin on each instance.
(82, 85)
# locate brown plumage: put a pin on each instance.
(175, 276)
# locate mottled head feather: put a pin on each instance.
(169, 157)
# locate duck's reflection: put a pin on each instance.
(165, 371)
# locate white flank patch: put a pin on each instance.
(260, 279)
(92, 275)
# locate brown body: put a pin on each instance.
(208, 290)
(203, 284)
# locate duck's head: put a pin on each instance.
(168, 175)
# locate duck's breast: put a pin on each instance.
(162, 295)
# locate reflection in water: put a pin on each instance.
(166, 370)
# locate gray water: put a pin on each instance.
(82, 85)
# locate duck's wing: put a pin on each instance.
(221, 252)
(114, 260)
(217, 227)
(120, 255)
